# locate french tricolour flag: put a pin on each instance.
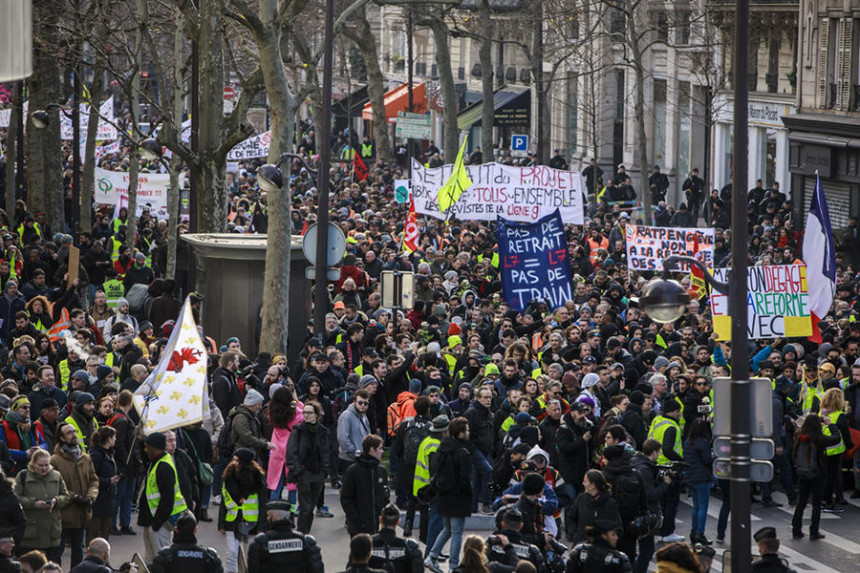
(820, 256)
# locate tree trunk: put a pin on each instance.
(89, 175)
(544, 129)
(446, 83)
(639, 106)
(11, 154)
(175, 161)
(211, 191)
(485, 54)
(362, 36)
(276, 282)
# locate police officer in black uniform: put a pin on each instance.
(185, 555)
(768, 548)
(403, 554)
(507, 547)
(280, 548)
(599, 554)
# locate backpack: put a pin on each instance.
(341, 400)
(136, 297)
(629, 493)
(806, 461)
(415, 433)
(444, 479)
(225, 442)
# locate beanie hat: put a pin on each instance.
(121, 302)
(415, 386)
(156, 440)
(637, 397)
(252, 398)
(533, 484)
(661, 362)
(530, 435)
(367, 380)
(670, 406)
(19, 401)
(490, 369)
(83, 398)
(454, 341)
(49, 403)
(453, 330)
(245, 455)
(82, 375)
(103, 372)
(612, 452)
(523, 418)
(590, 380)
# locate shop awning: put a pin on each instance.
(512, 107)
(397, 100)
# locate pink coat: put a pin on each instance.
(278, 456)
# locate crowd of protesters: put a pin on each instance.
(578, 428)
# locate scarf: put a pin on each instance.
(73, 450)
(22, 426)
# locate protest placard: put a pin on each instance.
(777, 303)
(152, 190)
(402, 190)
(534, 262)
(251, 148)
(106, 131)
(521, 194)
(648, 246)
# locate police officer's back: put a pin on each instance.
(507, 545)
(599, 554)
(185, 555)
(403, 554)
(282, 549)
(768, 548)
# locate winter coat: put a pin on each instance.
(654, 489)
(457, 503)
(11, 513)
(81, 479)
(352, 427)
(105, 467)
(246, 431)
(225, 391)
(363, 494)
(634, 422)
(125, 443)
(588, 509)
(238, 492)
(299, 450)
(573, 450)
(44, 527)
(698, 457)
(277, 457)
(480, 428)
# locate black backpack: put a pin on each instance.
(444, 479)
(225, 442)
(806, 461)
(415, 433)
(629, 493)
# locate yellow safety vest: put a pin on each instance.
(21, 228)
(153, 496)
(12, 273)
(422, 464)
(113, 292)
(82, 440)
(366, 149)
(65, 373)
(452, 363)
(809, 396)
(117, 248)
(839, 448)
(115, 224)
(250, 507)
(681, 420)
(658, 430)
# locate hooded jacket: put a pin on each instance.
(44, 527)
(352, 427)
(363, 494)
(81, 480)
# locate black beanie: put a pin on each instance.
(637, 397)
(533, 484)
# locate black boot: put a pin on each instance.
(407, 527)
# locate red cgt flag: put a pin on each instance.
(410, 229)
(360, 168)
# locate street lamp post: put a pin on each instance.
(321, 284)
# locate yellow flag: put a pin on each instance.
(457, 183)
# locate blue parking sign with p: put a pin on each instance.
(519, 142)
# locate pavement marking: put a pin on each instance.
(841, 542)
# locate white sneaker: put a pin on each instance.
(672, 538)
(431, 565)
(216, 500)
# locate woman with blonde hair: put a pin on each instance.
(42, 493)
(832, 412)
(474, 558)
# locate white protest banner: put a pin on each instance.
(108, 149)
(251, 148)
(152, 190)
(521, 194)
(106, 132)
(648, 246)
(777, 303)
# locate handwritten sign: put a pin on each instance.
(253, 147)
(777, 303)
(648, 246)
(534, 262)
(521, 194)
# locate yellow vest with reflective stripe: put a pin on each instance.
(250, 507)
(839, 448)
(82, 440)
(153, 496)
(117, 248)
(63, 367)
(809, 396)
(658, 430)
(681, 420)
(366, 149)
(422, 464)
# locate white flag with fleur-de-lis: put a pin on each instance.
(175, 395)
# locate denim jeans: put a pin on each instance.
(206, 496)
(435, 524)
(75, 537)
(453, 530)
(482, 473)
(123, 501)
(701, 493)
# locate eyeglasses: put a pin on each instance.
(701, 383)
(309, 412)
(362, 402)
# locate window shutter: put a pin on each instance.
(823, 80)
(844, 89)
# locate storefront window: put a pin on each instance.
(769, 159)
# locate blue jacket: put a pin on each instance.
(698, 457)
(549, 499)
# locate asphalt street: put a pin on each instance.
(838, 552)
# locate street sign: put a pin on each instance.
(760, 470)
(519, 145)
(413, 125)
(397, 289)
(229, 92)
(760, 449)
(336, 245)
(332, 273)
(761, 408)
